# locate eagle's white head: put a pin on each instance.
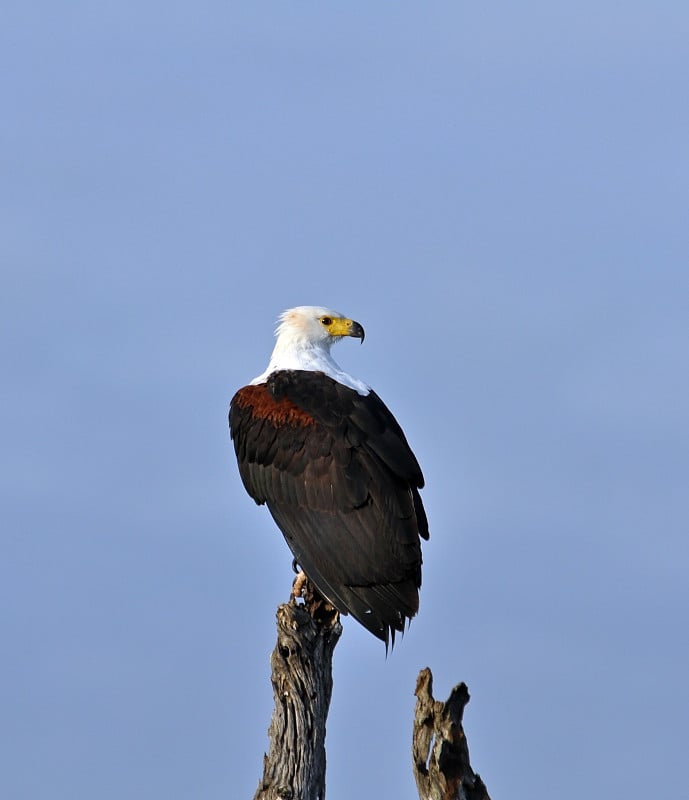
(316, 326)
(305, 335)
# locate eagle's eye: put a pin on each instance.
(326, 321)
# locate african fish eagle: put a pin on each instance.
(330, 461)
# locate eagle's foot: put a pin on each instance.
(298, 585)
(305, 593)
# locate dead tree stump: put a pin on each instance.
(301, 674)
(439, 747)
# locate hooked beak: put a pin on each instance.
(357, 331)
(342, 326)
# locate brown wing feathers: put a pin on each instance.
(341, 482)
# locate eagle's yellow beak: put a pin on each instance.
(346, 327)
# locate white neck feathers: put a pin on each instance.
(295, 351)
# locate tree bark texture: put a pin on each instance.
(301, 674)
(439, 748)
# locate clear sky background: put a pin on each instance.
(499, 193)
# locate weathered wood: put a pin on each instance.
(439, 748)
(301, 674)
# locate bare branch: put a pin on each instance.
(439, 748)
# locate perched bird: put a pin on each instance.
(324, 453)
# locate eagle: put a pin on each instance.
(322, 451)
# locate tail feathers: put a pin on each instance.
(381, 609)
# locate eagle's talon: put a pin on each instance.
(298, 585)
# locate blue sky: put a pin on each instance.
(499, 195)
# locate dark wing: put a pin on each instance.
(341, 481)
